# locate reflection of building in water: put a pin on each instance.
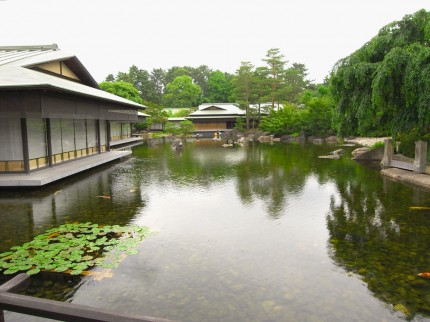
(100, 197)
(218, 156)
(53, 112)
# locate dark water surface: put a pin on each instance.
(256, 233)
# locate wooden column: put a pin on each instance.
(420, 157)
(388, 153)
(24, 135)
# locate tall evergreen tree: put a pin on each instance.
(276, 73)
(243, 87)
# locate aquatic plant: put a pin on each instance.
(74, 248)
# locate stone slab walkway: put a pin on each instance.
(422, 180)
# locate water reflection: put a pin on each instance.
(262, 232)
(103, 196)
(375, 234)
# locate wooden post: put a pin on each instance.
(388, 153)
(420, 157)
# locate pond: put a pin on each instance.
(255, 233)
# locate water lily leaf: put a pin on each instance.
(132, 252)
(61, 269)
(5, 254)
(49, 267)
(11, 271)
(25, 267)
(33, 271)
(76, 272)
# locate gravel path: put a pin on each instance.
(366, 141)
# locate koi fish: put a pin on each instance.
(104, 197)
(424, 275)
(419, 208)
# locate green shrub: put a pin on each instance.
(407, 143)
(376, 145)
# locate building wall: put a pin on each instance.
(11, 151)
(48, 105)
(59, 68)
(212, 125)
(209, 125)
(35, 126)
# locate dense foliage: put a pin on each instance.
(181, 93)
(384, 87)
(313, 116)
(186, 87)
(123, 89)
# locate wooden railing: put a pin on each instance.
(418, 164)
(57, 310)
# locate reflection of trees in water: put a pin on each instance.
(378, 237)
(372, 234)
(270, 173)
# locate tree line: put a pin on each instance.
(260, 91)
(383, 88)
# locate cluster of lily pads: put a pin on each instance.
(74, 248)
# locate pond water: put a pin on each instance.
(255, 233)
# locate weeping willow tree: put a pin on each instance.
(384, 87)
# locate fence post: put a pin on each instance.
(420, 156)
(388, 153)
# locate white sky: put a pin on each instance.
(109, 36)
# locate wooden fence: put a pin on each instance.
(57, 310)
(417, 164)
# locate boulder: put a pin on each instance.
(241, 140)
(266, 138)
(359, 151)
(372, 155)
(331, 156)
(331, 139)
(250, 138)
(177, 144)
(338, 152)
(286, 138)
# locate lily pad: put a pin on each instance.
(33, 271)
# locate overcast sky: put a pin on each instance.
(110, 36)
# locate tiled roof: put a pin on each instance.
(16, 73)
(217, 110)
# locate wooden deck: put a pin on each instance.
(60, 171)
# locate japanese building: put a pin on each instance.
(53, 112)
(215, 116)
